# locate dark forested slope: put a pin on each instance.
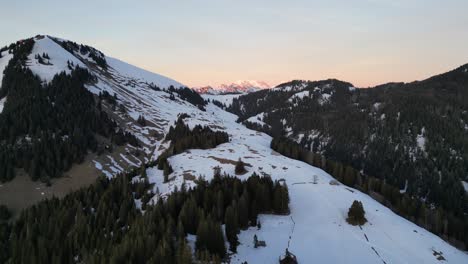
(46, 127)
(412, 135)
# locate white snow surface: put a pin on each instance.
(58, 59)
(325, 98)
(299, 95)
(4, 60)
(465, 185)
(316, 230)
(6, 57)
(288, 88)
(377, 106)
(258, 119)
(223, 98)
(421, 140)
(2, 104)
(142, 75)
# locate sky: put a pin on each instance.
(209, 42)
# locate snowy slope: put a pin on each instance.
(131, 85)
(223, 98)
(58, 59)
(317, 226)
(258, 119)
(316, 231)
(299, 95)
(128, 70)
(2, 103)
(6, 57)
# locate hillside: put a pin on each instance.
(119, 91)
(412, 136)
(116, 218)
(421, 125)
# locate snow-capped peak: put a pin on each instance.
(241, 86)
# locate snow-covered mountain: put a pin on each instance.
(316, 230)
(235, 87)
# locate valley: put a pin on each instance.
(144, 106)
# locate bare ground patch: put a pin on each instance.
(227, 161)
(188, 176)
(251, 150)
(22, 192)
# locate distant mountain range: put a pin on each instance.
(235, 87)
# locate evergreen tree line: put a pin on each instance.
(101, 223)
(218, 103)
(183, 138)
(446, 224)
(75, 48)
(41, 60)
(45, 128)
(200, 137)
(189, 95)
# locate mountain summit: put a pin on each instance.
(247, 86)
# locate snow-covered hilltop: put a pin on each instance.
(59, 56)
(316, 231)
(235, 87)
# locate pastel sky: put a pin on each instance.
(200, 42)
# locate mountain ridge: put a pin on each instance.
(246, 86)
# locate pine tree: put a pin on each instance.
(202, 235)
(232, 228)
(184, 253)
(189, 216)
(167, 170)
(280, 199)
(243, 210)
(349, 176)
(141, 120)
(356, 214)
(240, 167)
(143, 171)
